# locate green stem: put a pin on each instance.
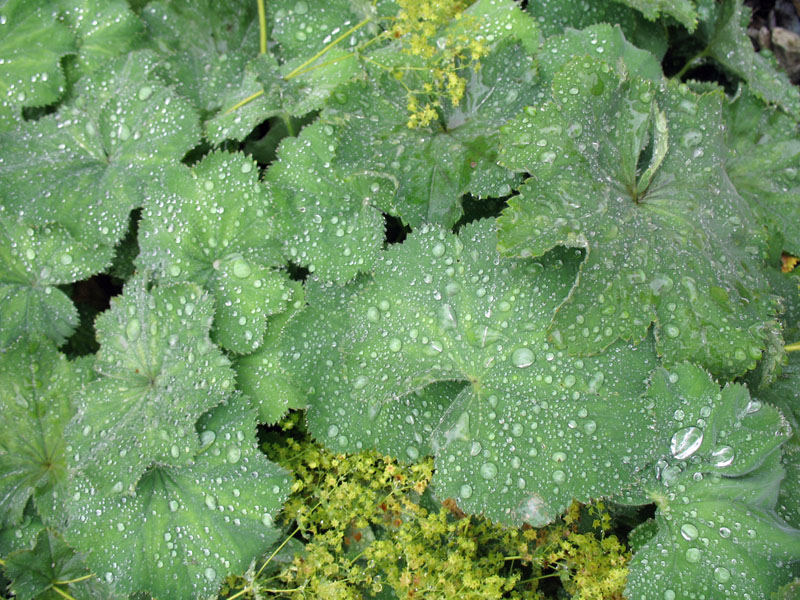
(322, 52)
(305, 67)
(692, 63)
(262, 27)
(78, 580)
(62, 593)
(792, 347)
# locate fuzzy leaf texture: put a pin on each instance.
(533, 428)
(433, 166)
(159, 371)
(210, 225)
(35, 260)
(669, 240)
(32, 44)
(218, 508)
(716, 489)
(93, 158)
(35, 381)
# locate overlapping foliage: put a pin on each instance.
(505, 238)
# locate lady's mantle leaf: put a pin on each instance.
(262, 375)
(104, 30)
(727, 42)
(35, 572)
(159, 373)
(434, 166)
(184, 528)
(32, 43)
(639, 183)
(325, 216)
(33, 261)
(534, 428)
(716, 489)
(683, 11)
(764, 163)
(86, 167)
(35, 380)
(210, 225)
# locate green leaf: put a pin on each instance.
(23, 535)
(86, 167)
(270, 91)
(637, 181)
(207, 45)
(35, 380)
(104, 30)
(210, 225)
(789, 496)
(36, 572)
(533, 429)
(727, 42)
(784, 392)
(159, 372)
(262, 376)
(763, 158)
(433, 167)
(555, 17)
(325, 217)
(34, 260)
(683, 11)
(32, 43)
(602, 41)
(184, 528)
(716, 489)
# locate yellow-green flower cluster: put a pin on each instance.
(368, 525)
(427, 32)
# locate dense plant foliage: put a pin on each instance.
(408, 299)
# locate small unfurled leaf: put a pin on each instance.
(716, 488)
(159, 371)
(93, 159)
(638, 181)
(35, 385)
(184, 528)
(32, 43)
(33, 261)
(52, 564)
(211, 225)
(528, 429)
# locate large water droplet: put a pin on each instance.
(133, 329)
(522, 358)
(693, 555)
(438, 250)
(241, 269)
(722, 456)
(465, 491)
(234, 454)
(722, 574)
(488, 470)
(145, 92)
(686, 442)
(210, 573)
(689, 531)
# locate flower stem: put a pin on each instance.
(792, 347)
(262, 27)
